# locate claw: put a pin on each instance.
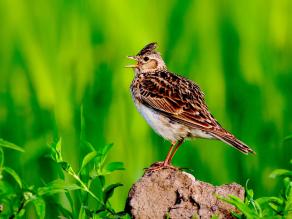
(158, 166)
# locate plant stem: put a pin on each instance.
(87, 189)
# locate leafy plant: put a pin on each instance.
(15, 201)
(266, 207)
(93, 168)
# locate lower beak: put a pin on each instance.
(132, 66)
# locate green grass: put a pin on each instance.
(58, 55)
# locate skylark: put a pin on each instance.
(174, 106)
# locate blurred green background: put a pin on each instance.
(58, 55)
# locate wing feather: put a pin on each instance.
(177, 98)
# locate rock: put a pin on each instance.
(170, 193)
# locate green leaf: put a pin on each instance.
(240, 205)
(57, 186)
(58, 145)
(15, 176)
(266, 200)
(109, 191)
(20, 214)
(275, 207)
(89, 157)
(280, 172)
(87, 144)
(101, 180)
(56, 149)
(71, 202)
(40, 207)
(287, 188)
(111, 167)
(106, 149)
(10, 145)
(82, 213)
(249, 192)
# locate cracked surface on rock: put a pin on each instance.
(176, 194)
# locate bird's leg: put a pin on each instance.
(160, 165)
(179, 143)
(168, 156)
(167, 162)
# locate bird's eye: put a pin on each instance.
(146, 58)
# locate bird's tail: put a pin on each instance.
(230, 139)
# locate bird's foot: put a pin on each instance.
(160, 165)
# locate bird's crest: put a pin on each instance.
(148, 49)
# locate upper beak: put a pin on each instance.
(132, 66)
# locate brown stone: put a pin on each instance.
(169, 193)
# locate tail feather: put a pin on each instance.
(233, 141)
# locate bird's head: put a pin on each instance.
(148, 60)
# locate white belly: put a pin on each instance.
(169, 130)
(162, 125)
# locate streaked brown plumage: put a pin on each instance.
(173, 105)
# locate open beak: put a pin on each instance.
(132, 66)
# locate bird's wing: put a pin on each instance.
(177, 98)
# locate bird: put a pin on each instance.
(173, 105)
